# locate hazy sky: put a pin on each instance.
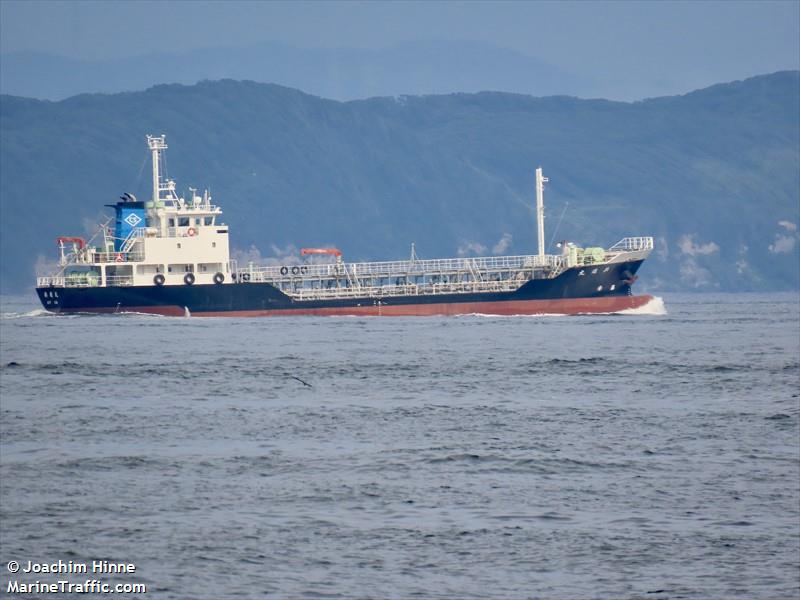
(666, 47)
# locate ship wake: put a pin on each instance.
(40, 312)
(655, 307)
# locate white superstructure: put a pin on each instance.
(168, 240)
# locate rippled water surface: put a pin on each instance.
(620, 456)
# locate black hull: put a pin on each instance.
(578, 283)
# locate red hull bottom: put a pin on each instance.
(570, 306)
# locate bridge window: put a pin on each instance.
(183, 222)
(209, 267)
(180, 268)
(148, 269)
(209, 220)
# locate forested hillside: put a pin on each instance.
(714, 175)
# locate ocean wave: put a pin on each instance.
(39, 312)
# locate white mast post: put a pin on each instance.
(157, 144)
(540, 181)
(155, 213)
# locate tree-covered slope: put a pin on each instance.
(714, 175)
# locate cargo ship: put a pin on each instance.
(170, 255)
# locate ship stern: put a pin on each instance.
(51, 298)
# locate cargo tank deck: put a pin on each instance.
(416, 277)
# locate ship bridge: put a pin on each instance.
(166, 240)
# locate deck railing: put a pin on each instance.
(116, 257)
(400, 269)
(387, 291)
(433, 276)
(632, 244)
(48, 281)
(117, 280)
(81, 282)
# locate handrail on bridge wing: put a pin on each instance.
(632, 244)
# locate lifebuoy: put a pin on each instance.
(245, 276)
(219, 278)
(188, 279)
(191, 232)
(119, 257)
(158, 279)
(284, 270)
(304, 269)
(295, 270)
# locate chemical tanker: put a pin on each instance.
(170, 256)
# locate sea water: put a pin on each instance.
(649, 455)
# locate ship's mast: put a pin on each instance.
(540, 181)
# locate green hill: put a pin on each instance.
(714, 175)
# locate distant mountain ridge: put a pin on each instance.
(419, 67)
(714, 175)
